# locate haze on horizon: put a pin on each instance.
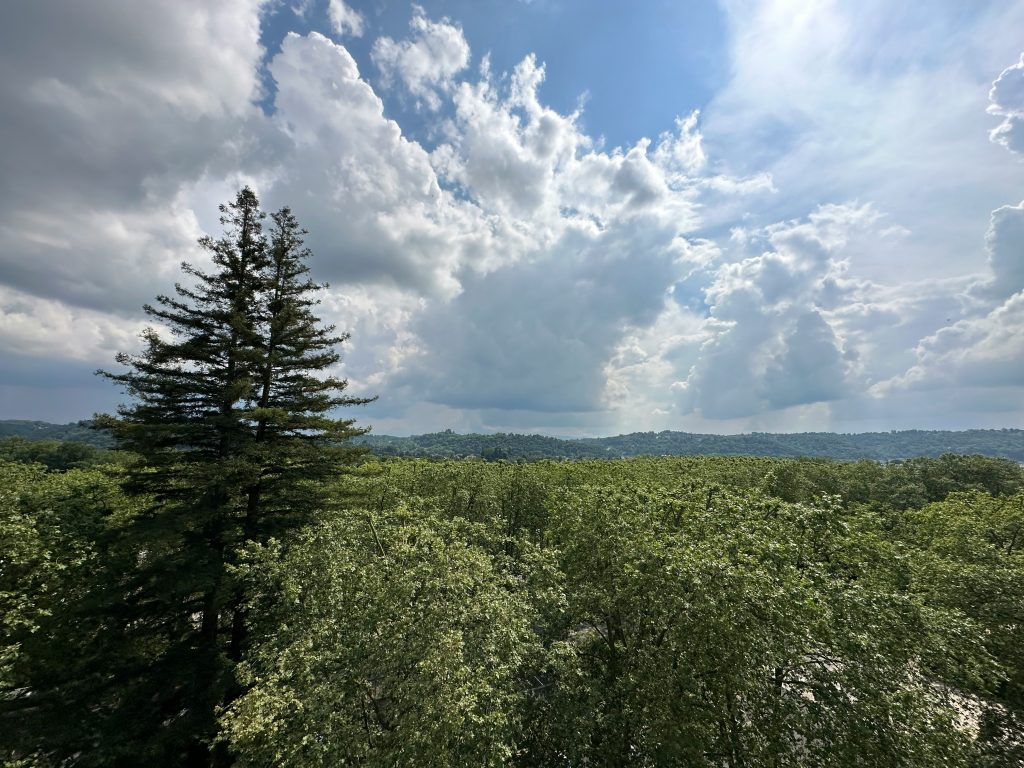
(546, 216)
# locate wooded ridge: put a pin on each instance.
(880, 446)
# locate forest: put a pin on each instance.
(659, 611)
(881, 446)
(239, 582)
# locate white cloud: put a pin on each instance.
(522, 160)
(507, 149)
(104, 124)
(645, 364)
(1005, 243)
(771, 343)
(521, 274)
(46, 328)
(583, 243)
(76, 252)
(426, 63)
(301, 8)
(985, 349)
(682, 152)
(810, 367)
(369, 195)
(344, 19)
(536, 335)
(872, 101)
(1007, 97)
(983, 352)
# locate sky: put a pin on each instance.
(571, 217)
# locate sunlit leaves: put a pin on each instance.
(699, 612)
(390, 639)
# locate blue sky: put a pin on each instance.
(578, 218)
(636, 65)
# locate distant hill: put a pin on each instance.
(78, 432)
(881, 446)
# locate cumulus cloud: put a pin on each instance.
(770, 342)
(403, 248)
(75, 252)
(986, 351)
(113, 112)
(811, 367)
(508, 149)
(982, 346)
(369, 195)
(46, 328)
(536, 336)
(525, 161)
(682, 153)
(580, 243)
(426, 63)
(105, 123)
(517, 274)
(344, 19)
(872, 102)
(1007, 97)
(586, 244)
(123, 100)
(1005, 244)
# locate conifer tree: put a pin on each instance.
(231, 415)
(296, 445)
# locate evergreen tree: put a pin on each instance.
(231, 416)
(296, 445)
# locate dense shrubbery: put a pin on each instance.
(677, 611)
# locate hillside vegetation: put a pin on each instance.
(881, 446)
(77, 431)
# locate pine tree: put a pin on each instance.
(231, 415)
(296, 445)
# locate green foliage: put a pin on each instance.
(877, 446)
(717, 612)
(55, 530)
(390, 639)
(730, 630)
(681, 614)
(969, 559)
(231, 415)
(58, 454)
